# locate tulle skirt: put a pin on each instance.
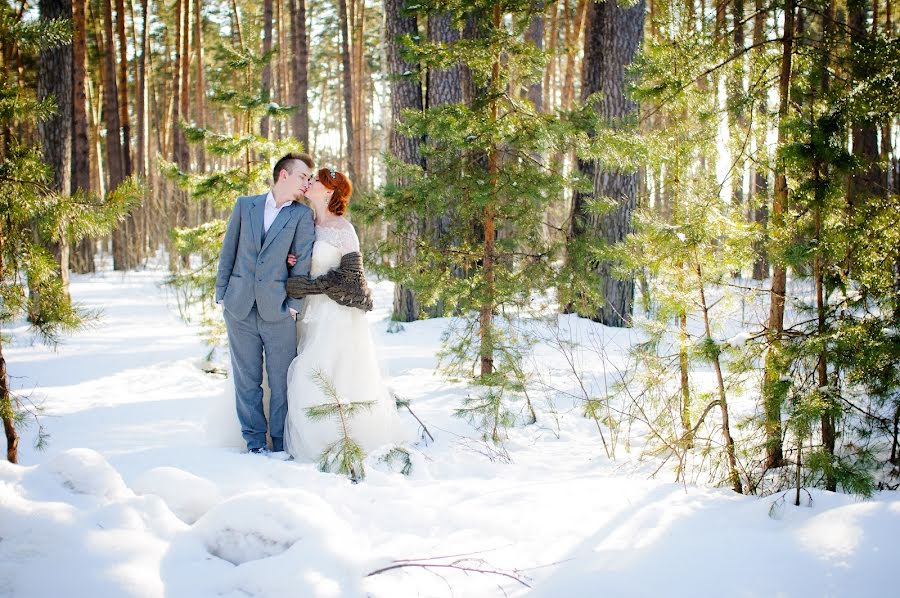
(336, 361)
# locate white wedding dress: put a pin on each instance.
(335, 345)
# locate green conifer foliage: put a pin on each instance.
(841, 360)
(344, 456)
(237, 93)
(28, 205)
(485, 169)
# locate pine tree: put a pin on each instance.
(31, 207)
(344, 455)
(840, 367)
(239, 97)
(481, 168)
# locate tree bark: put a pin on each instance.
(300, 64)
(7, 409)
(267, 69)
(486, 315)
(549, 100)
(114, 154)
(56, 132)
(535, 35)
(348, 87)
(611, 41)
(81, 259)
(406, 93)
(200, 83)
(772, 376)
(864, 131)
(573, 31)
(760, 209)
(123, 88)
(444, 86)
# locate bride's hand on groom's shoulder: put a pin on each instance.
(291, 260)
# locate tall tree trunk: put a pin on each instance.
(738, 118)
(406, 94)
(56, 132)
(348, 87)
(300, 67)
(115, 154)
(444, 87)
(267, 69)
(772, 386)
(486, 315)
(535, 35)
(760, 180)
(864, 131)
(123, 88)
(820, 174)
(573, 31)
(81, 259)
(200, 83)
(178, 209)
(611, 41)
(115, 163)
(358, 16)
(549, 100)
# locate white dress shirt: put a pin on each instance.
(271, 211)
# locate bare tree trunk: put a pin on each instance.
(178, 209)
(406, 93)
(611, 41)
(760, 179)
(535, 35)
(123, 88)
(300, 64)
(549, 88)
(486, 315)
(820, 174)
(114, 156)
(772, 393)
(200, 83)
(733, 474)
(864, 131)
(7, 409)
(348, 89)
(56, 132)
(357, 64)
(81, 259)
(267, 69)
(573, 31)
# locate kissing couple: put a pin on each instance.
(283, 263)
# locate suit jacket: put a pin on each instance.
(252, 269)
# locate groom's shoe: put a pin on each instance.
(259, 451)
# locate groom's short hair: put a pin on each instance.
(289, 162)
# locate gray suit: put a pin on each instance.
(251, 282)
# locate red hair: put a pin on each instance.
(342, 187)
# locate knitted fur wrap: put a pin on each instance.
(346, 284)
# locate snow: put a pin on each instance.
(144, 491)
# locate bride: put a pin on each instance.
(336, 358)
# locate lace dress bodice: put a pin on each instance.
(333, 240)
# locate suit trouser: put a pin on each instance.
(248, 339)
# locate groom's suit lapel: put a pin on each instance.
(280, 221)
(257, 208)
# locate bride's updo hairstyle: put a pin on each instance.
(340, 184)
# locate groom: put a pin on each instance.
(259, 316)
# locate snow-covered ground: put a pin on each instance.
(137, 494)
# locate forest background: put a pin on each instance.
(644, 164)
